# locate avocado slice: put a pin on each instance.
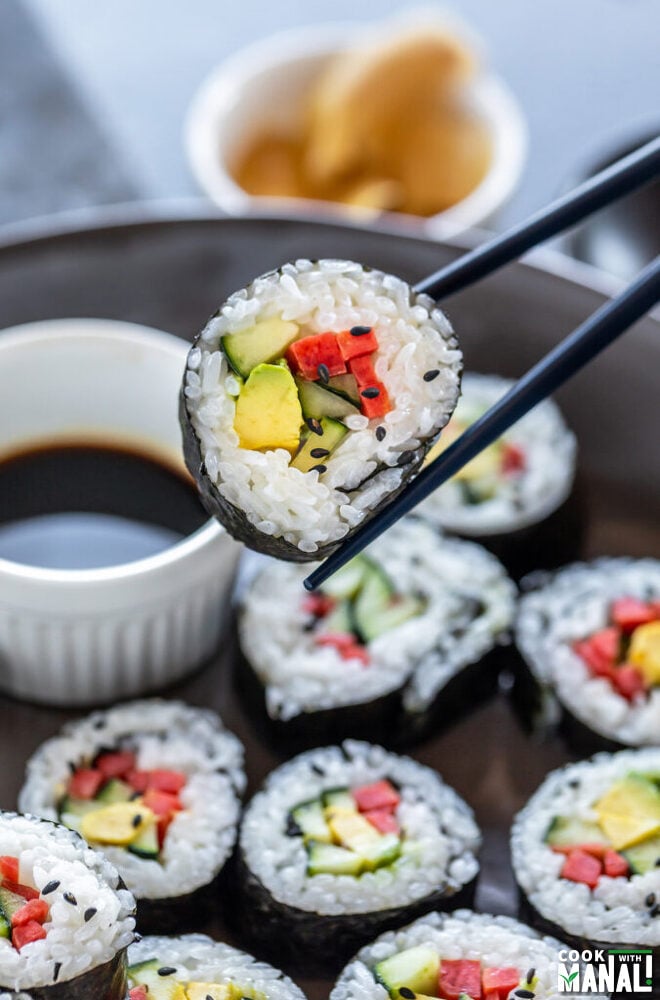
(119, 823)
(352, 830)
(328, 859)
(160, 987)
(264, 342)
(568, 831)
(318, 401)
(416, 968)
(309, 817)
(644, 857)
(212, 991)
(630, 811)
(644, 651)
(268, 413)
(317, 448)
(115, 791)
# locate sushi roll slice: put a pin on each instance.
(590, 638)
(342, 843)
(66, 919)
(155, 786)
(193, 967)
(463, 954)
(310, 398)
(403, 629)
(586, 852)
(517, 496)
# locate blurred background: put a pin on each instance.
(93, 97)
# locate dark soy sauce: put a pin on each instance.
(85, 506)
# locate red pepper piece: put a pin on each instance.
(138, 780)
(35, 909)
(374, 406)
(167, 781)
(498, 982)
(305, 356)
(355, 652)
(383, 820)
(607, 643)
(461, 976)
(340, 640)
(26, 934)
(582, 867)
(595, 850)
(9, 867)
(629, 613)
(26, 891)
(116, 765)
(318, 604)
(598, 665)
(356, 346)
(138, 993)
(379, 795)
(85, 783)
(513, 459)
(363, 370)
(161, 803)
(629, 681)
(615, 864)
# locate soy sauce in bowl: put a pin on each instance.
(77, 505)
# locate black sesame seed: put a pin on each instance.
(309, 625)
(371, 392)
(136, 821)
(317, 769)
(405, 457)
(574, 783)
(56, 971)
(135, 795)
(72, 767)
(655, 911)
(50, 887)
(314, 425)
(406, 993)
(166, 970)
(324, 373)
(292, 828)
(524, 994)
(89, 914)
(650, 899)
(431, 374)
(319, 452)
(136, 937)
(360, 331)
(530, 975)
(70, 898)
(99, 723)
(657, 862)
(319, 468)
(380, 433)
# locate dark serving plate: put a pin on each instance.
(172, 272)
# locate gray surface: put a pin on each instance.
(586, 71)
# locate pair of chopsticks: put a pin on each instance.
(559, 365)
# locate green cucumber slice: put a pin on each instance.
(346, 582)
(328, 859)
(416, 968)
(644, 857)
(345, 386)
(567, 831)
(115, 791)
(309, 817)
(317, 401)
(339, 798)
(263, 343)
(159, 987)
(146, 843)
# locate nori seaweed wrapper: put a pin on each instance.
(105, 982)
(313, 943)
(194, 911)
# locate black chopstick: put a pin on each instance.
(621, 178)
(560, 364)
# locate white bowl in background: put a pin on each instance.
(81, 637)
(264, 86)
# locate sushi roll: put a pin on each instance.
(310, 398)
(590, 639)
(155, 786)
(342, 843)
(463, 954)
(586, 852)
(401, 630)
(66, 919)
(517, 496)
(193, 967)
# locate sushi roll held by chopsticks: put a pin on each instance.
(309, 400)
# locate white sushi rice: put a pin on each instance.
(49, 853)
(615, 912)
(494, 941)
(454, 578)
(165, 735)
(198, 958)
(571, 605)
(310, 509)
(550, 451)
(441, 836)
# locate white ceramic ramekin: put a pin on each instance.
(264, 87)
(80, 637)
